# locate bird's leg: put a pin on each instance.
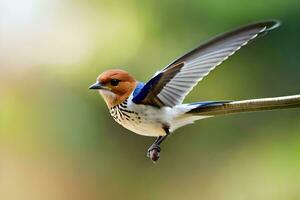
(154, 150)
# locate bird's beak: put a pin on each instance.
(98, 86)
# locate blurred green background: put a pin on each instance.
(57, 140)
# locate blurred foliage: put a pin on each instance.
(57, 140)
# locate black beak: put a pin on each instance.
(97, 86)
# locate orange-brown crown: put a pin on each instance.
(119, 84)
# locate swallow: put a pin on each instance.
(156, 108)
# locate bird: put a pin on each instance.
(156, 109)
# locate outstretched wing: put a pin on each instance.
(170, 86)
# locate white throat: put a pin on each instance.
(108, 96)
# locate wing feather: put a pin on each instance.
(170, 86)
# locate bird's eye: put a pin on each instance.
(114, 82)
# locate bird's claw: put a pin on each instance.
(153, 152)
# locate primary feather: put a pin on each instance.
(170, 86)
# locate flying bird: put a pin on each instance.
(155, 108)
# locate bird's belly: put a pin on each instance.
(144, 128)
(138, 123)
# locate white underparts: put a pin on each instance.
(150, 121)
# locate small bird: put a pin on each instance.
(155, 108)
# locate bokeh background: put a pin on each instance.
(57, 140)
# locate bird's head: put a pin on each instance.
(115, 86)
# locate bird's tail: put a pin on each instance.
(230, 107)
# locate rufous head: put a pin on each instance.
(115, 86)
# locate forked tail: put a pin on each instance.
(247, 106)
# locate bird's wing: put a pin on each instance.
(170, 85)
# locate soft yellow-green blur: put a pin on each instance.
(58, 142)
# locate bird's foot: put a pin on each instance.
(153, 152)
